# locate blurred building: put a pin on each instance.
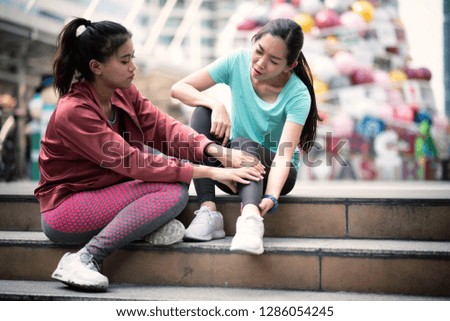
(171, 38)
(358, 51)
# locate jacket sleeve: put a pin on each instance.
(167, 134)
(91, 138)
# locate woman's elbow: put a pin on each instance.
(174, 90)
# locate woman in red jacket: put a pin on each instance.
(101, 186)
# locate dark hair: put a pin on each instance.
(99, 41)
(292, 35)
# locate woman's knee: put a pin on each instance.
(184, 194)
(69, 238)
(246, 145)
(262, 153)
(201, 119)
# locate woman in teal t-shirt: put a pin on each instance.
(273, 114)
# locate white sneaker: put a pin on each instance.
(249, 234)
(79, 270)
(170, 233)
(206, 226)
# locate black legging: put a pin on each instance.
(249, 193)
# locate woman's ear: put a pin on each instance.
(289, 68)
(294, 65)
(95, 67)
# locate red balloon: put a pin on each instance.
(411, 73)
(247, 25)
(327, 18)
(362, 76)
(423, 73)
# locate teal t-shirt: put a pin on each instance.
(252, 117)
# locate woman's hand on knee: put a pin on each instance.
(221, 124)
(237, 158)
(234, 157)
(232, 176)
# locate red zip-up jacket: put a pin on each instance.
(80, 151)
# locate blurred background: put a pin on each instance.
(381, 74)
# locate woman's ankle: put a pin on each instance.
(250, 209)
(210, 204)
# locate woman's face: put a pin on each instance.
(119, 70)
(268, 57)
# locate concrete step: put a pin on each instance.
(51, 290)
(322, 217)
(306, 264)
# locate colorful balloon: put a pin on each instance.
(365, 9)
(370, 126)
(345, 62)
(397, 75)
(311, 6)
(323, 68)
(381, 78)
(423, 73)
(327, 18)
(338, 5)
(385, 112)
(404, 114)
(320, 87)
(247, 24)
(362, 75)
(342, 125)
(423, 116)
(283, 10)
(305, 21)
(354, 21)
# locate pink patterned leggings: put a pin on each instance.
(108, 218)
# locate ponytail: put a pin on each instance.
(78, 43)
(308, 135)
(64, 64)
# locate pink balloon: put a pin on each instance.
(342, 125)
(247, 25)
(395, 98)
(381, 78)
(345, 62)
(283, 10)
(351, 19)
(411, 73)
(362, 75)
(327, 18)
(311, 6)
(385, 112)
(404, 113)
(423, 73)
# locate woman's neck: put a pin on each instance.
(268, 90)
(104, 95)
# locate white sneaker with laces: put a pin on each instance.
(249, 234)
(206, 226)
(80, 270)
(170, 233)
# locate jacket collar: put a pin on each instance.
(117, 98)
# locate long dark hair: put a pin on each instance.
(78, 43)
(292, 35)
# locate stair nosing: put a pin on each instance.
(272, 245)
(288, 199)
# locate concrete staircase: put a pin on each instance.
(367, 245)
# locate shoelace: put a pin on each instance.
(88, 259)
(248, 225)
(202, 217)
